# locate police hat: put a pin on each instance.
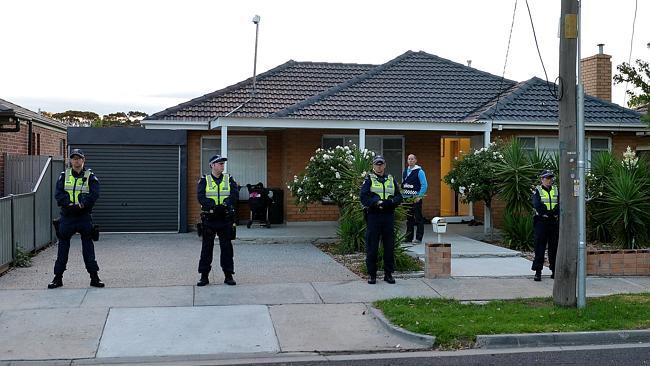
(77, 152)
(547, 174)
(217, 159)
(378, 160)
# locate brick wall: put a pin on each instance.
(597, 76)
(46, 142)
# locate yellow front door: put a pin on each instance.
(451, 147)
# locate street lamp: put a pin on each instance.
(256, 21)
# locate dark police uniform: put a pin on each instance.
(217, 220)
(380, 207)
(73, 189)
(546, 202)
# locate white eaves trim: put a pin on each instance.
(347, 124)
(158, 124)
(547, 125)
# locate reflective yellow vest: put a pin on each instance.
(217, 192)
(383, 190)
(74, 186)
(549, 199)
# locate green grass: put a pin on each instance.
(456, 324)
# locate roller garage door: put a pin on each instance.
(140, 186)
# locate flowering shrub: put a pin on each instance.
(332, 175)
(473, 176)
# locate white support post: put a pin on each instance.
(487, 223)
(362, 139)
(224, 143)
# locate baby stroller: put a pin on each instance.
(258, 202)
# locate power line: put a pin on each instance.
(503, 74)
(629, 58)
(553, 92)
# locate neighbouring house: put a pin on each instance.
(416, 103)
(24, 132)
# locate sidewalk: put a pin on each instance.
(289, 298)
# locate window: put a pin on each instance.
(62, 147)
(596, 146)
(391, 147)
(246, 159)
(551, 145)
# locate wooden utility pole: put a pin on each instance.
(564, 287)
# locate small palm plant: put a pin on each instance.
(625, 204)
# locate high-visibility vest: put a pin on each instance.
(383, 190)
(549, 198)
(74, 186)
(217, 192)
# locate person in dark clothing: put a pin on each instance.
(546, 202)
(217, 193)
(380, 195)
(414, 184)
(77, 190)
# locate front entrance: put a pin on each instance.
(450, 149)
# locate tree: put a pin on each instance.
(77, 118)
(474, 177)
(639, 76)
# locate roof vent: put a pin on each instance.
(469, 63)
(600, 48)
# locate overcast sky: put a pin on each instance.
(121, 55)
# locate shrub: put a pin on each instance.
(518, 231)
(23, 258)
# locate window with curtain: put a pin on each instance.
(597, 146)
(391, 147)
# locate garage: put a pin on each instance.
(142, 175)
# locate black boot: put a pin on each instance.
(538, 275)
(389, 278)
(56, 282)
(95, 281)
(229, 280)
(372, 279)
(204, 279)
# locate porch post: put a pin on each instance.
(362, 138)
(486, 213)
(224, 142)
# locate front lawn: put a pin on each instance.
(456, 324)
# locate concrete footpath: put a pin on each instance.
(291, 299)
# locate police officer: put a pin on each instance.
(414, 184)
(379, 196)
(546, 202)
(76, 192)
(217, 193)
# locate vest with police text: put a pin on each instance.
(411, 183)
(549, 198)
(383, 190)
(217, 192)
(75, 186)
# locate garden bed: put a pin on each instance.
(356, 262)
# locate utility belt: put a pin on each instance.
(201, 228)
(94, 230)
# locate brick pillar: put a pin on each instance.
(437, 262)
(597, 75)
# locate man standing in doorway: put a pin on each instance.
(379, 196)
(414, 184)
(217, 193)
(546, 202)
(76, 192)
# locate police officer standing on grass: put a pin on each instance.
(414, 184)
(546, 202)
(217, 193)
(76, 192)
(380, 196)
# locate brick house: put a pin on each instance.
(416, 103)
(25, 132)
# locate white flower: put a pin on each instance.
(338, 176)
(299, 190)
(295, 179)
(321, 185)
(340, 186)
(452, 180)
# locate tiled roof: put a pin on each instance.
(532, 101)
(415, 86)
(276, 89)
(8, 108)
